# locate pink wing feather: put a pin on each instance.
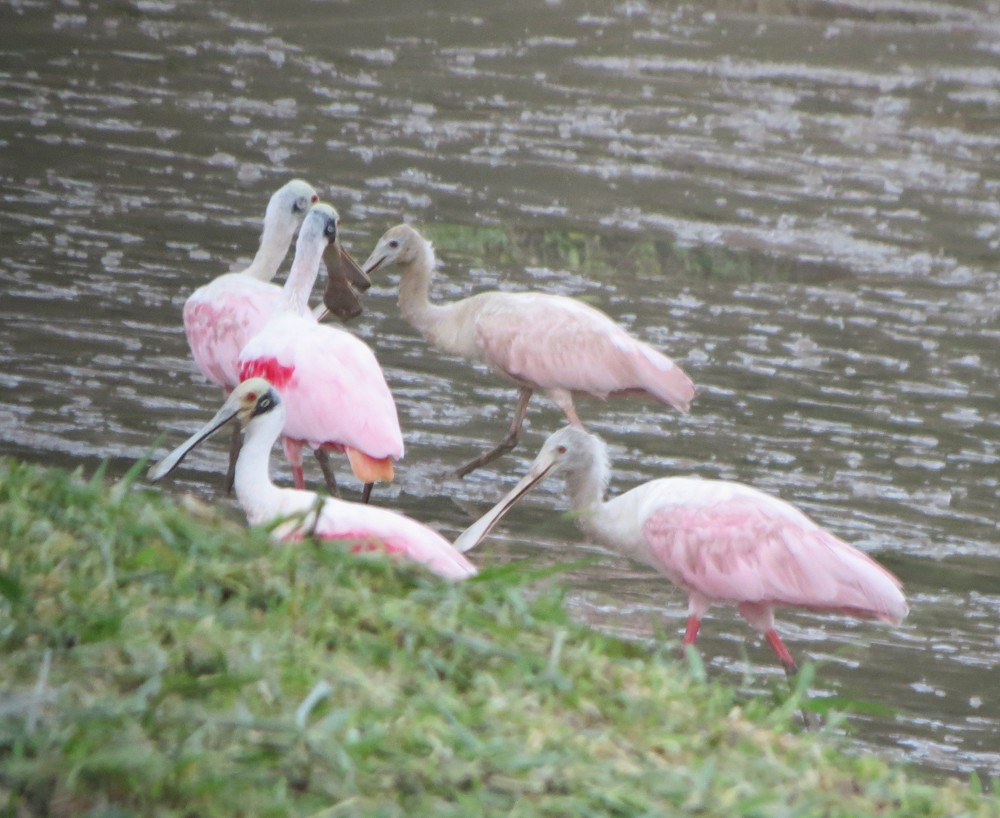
(334, 389)
(399, 534)
(221, 317)
(553, 342)
(735, 544)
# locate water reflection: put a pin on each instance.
(799, 205)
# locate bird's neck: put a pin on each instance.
(414, 293)
(586, 489)
(302, 277)
(272, 251)
(258, 496)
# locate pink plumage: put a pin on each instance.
(535, 340)
(336, 395)
(551, 342)
(292, 514)
(723, 542)
(726, 542)
(379, 529)
(221, 316)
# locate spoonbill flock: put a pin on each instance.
(284, 374)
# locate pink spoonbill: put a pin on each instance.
(335, 393)
(534, 340)
(221, 316)
(722, 541)
(260, 410)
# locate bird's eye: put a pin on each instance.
(252, 397)
(301, 204)
(330, 231)
(264, 404)
(561, 449)
(394, 244)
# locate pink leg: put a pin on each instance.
(293, 451)
(691, 634)
(564, 400)
(782, 652)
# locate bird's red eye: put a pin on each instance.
(561, 449)
(251, 396)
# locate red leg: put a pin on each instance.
(782, 652)
(691, 634)
(293, 451)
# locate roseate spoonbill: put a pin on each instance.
(534, 340)
(221, 316)
(260, 410)
(336, 394)
(721, 541)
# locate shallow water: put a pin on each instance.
(796, 200)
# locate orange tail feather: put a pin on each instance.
(370, 469)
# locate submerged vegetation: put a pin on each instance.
(160, 660)
(599, 255)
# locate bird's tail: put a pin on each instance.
(370, 469)
(665, 380)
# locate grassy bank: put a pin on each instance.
(161, 661)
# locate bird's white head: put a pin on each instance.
(253, 398)
(320, 226)
(581, 456)
(288, 207)
(573, 449)
(401, 245)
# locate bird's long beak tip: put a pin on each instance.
(477, 532)
(372, 263)
(167, 464)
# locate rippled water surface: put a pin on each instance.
(796, 200)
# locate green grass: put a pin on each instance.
(159, 660)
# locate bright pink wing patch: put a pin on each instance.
(270, 368)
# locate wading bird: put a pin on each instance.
(221, 316)
(721, 541)
(260, 410)
(534, 340)
(336, 395)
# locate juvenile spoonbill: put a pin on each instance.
(335, 393)
(534, 340)
(722, 541)
(260, 410)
